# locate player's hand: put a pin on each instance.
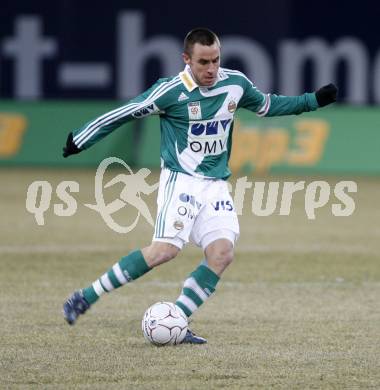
(70, 147)
(326, 95)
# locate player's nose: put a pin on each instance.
(211, 71)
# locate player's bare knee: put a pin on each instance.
(220, 252)
(159, 252)
(226, 256)
(166, 252)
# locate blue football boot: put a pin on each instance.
(74, 307)
(192, 338)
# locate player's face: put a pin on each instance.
(204, 63)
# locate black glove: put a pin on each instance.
(70, 147)
(326, 95)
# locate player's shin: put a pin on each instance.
(197, 289)
(129, 268)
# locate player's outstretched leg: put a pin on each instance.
(126, 270)
(196, 290)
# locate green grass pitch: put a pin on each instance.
(298, 309)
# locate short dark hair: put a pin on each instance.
(200, 35)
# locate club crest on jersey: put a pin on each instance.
(231, 106)
(194, 109)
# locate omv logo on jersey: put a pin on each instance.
(209, 137)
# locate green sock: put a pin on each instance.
(197, 288)
(126, 270)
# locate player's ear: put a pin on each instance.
(186, 58)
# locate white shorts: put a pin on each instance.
(194, 209)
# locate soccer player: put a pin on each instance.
(196, 109)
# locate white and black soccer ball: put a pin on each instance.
(164, 323)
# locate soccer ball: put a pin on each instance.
(164, 323)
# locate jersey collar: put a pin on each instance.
(189, 82)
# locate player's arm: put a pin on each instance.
(275, 105)
(141, 106)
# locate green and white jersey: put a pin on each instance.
(196, 121)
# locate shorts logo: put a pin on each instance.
(178, 225)
(184, 211)
(190, 199)
(231, 106)
(224, 205)
(194, 109)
